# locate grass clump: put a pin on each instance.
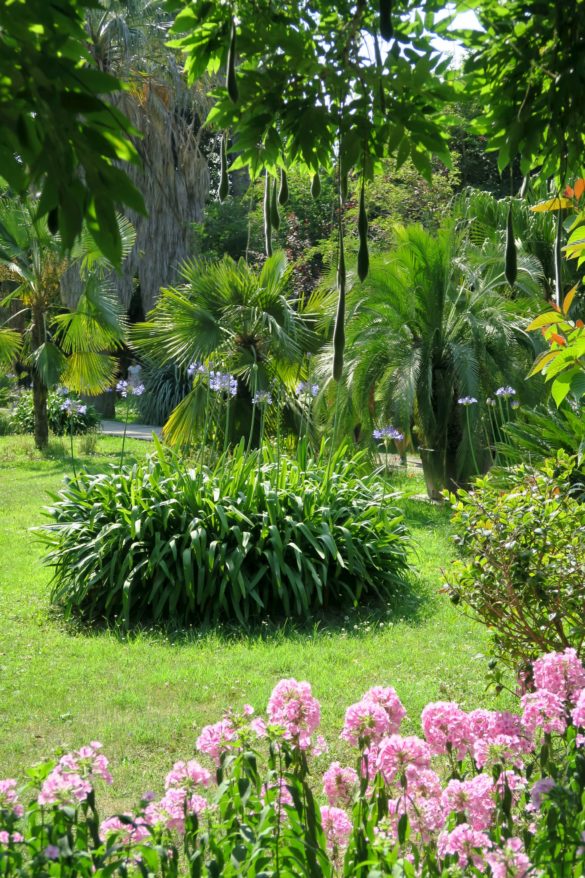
(253, 535)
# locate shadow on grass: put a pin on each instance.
(412, 602)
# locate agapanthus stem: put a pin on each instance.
(72, 453)
(125, 430)
(475, 466)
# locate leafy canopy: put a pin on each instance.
(58, 132)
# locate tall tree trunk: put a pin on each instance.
(40, 389)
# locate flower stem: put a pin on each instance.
(125, 429)
(470, 440)
(72, 453)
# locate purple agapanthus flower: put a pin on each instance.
(262, 397)
(122, 388)
(306, 388)
(467, 400)
(490, 401)
(505, 392)
(388, 433)
(138, 390)
(223, 381)
(195, 368)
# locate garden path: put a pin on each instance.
(133, 431)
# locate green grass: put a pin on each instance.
(146, 697)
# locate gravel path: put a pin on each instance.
(133, 431)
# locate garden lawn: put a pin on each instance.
(145, 698)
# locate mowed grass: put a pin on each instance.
(146, 697)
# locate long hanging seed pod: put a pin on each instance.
(363, 261)
(283, 194)
(511, 270)
(380, 66)
(274, 215)
(267, 218)
(316, 185)
(339, 330)
(386, 28)
(231, 81)
(558, 276)
(223, 174)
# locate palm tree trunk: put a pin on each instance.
(39, 389)
(433, 464)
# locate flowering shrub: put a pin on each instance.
(251, 536)
(66, 414)
(483, 793)
(523, 570)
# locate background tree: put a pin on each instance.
(73, 346)
(425, 329)
(129, 40)
(57, 132)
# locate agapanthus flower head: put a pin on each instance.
(467, 400)
(293, 706)
(195, 368)
(388, 432)
(490, 401)
(515, 404)
(560, 672)
(307, 388)
(262, 397)
(67, 406)
(72, 407)
(81, 409)
(138, 390)
(505, 392)
(62, 390)
(221, 382)
(122, 388)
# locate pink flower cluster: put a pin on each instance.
(70, 782)
(340, 785)
(9, 798)
(10, 837)
(293, 707)
(379, 712)
(336, 826)
(215, 740)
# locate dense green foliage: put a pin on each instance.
(58, 133)
(246, 538)
(164, 388)
(523, 567)
(61, 421)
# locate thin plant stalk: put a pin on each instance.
(227, 424)
(205, 423)
(278, 436)
(72, 453)
(125, 430)
(470, 440)
(254, 389)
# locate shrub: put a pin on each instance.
(252, 536)
(61, 422)
(523, 570)
(484, 792)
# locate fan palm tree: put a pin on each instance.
(234, 319)
(69, 345)
(426, 329)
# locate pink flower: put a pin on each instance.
(248, 710)
(4, 837)
(133, 832)
(176, 803)
(578, 714)
(423, 782)
(339, 784)
(17, 837)
(51, 852)
(543, 710)
(215, 739)
(87, 761)
(447, 728)
(467, 844)
(336, 826)
(63, 788)
(539, 790)
(425, 815)
(258, 726)
(293, 707)
(500, 749)
(473, 798)
(282, 797)
(397, 753)
(387, 698)
(509, 861)
(365, 722)
(9, 797)
(187, 774)
(561, 673)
